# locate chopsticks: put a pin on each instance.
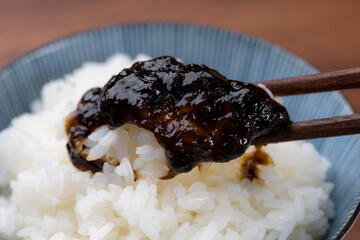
(313, 83)
(311, 129)
(317, 128)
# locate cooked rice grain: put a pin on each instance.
(50, 199)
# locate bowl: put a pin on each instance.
(237, 56)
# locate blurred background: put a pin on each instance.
(326, 33)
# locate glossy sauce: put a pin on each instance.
(79, 124)
(195, 113)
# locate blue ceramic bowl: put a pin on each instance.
(237, 56)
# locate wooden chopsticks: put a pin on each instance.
(313, 83)
(318, 128)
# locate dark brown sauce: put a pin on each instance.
(249, 167)
(79, 124)
(195, 113)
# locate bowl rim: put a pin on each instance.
(30, 54)
(36, 53)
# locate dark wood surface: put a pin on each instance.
(324, 32)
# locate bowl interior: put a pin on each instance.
(237, 56)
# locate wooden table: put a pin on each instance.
(325, 32)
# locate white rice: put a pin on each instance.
(45, 197)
